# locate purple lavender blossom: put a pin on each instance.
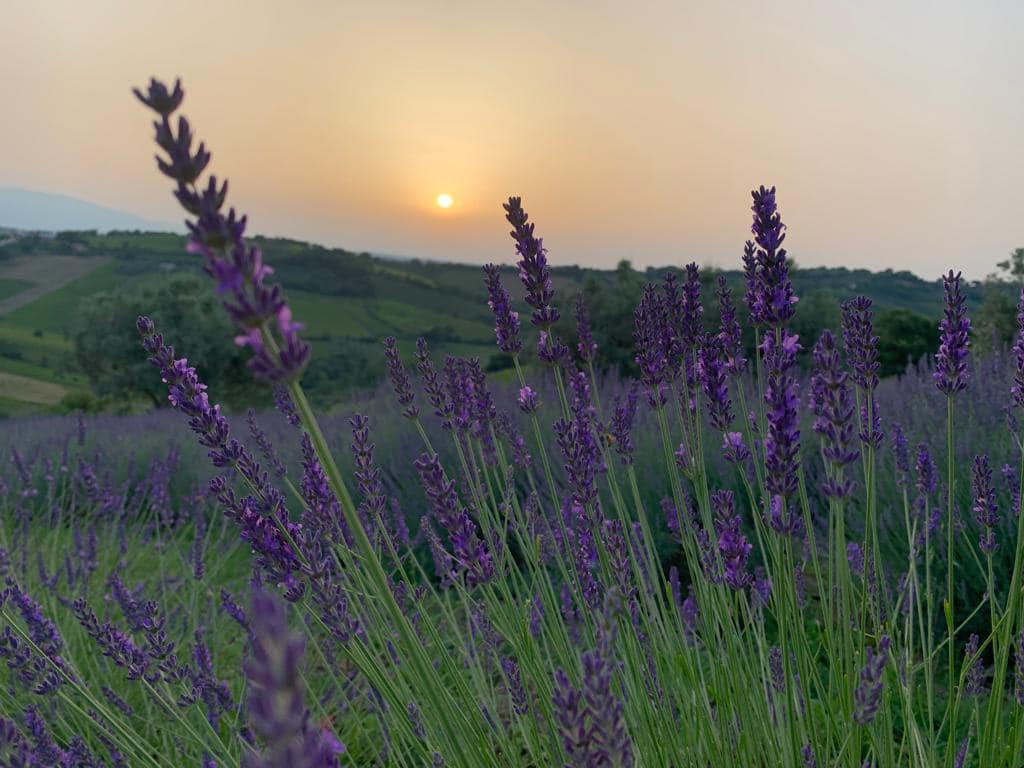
(733, 547)
(536, 278)
(275, 699)
(832, 406)
(585, 346)
(927, 471)
(713, 374)
(773, 300)
(470, 552)
(528, 400)
(651, 339)
(257, 308)
(1017, 389)
(506, 328)
(577, 439)
(860, 342)
(951, 372)
(400, 379)
(782, 443)
(868, 696)
(986, 507)
(621, 427)
(901, 455)
(730, 334)
(1018, 670)
(974, 681)
(734, 449)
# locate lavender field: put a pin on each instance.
(749, 555)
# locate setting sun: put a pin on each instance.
(444, 200)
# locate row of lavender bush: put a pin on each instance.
(720, 563)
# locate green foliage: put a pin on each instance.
(107, 345)
(904, 337)
(1014, 266)
(995, 321)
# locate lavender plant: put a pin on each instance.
(728, 566)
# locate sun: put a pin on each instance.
(444, 200)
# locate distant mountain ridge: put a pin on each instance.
(29, 209)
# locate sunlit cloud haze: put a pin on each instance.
(632, 130)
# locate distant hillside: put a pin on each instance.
(45, 211)
(348, 301)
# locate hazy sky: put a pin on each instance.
(893, 130)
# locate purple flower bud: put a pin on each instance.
(734, 449)
(1017, 390)
(729, 335)
(528, 401)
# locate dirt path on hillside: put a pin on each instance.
(48, 273)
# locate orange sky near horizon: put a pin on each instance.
(893, 131)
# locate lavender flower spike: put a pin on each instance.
(868, 695)
(400, 379)
(585, 346)
(773, 301)
(1017, 390)
(951, 360)
(257, 308)
(506, 327)
(985, 507)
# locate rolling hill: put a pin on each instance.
(348, 301)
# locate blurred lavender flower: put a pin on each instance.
(901, 455)
(585, 346)
(868, 696)
(951, 360)
(927, 471)
(650, 336)
(276, 709)
(400, 379)
(713, 373)
(506, 328)
(621, 427)
(974, 682)
(832, 407)
(730, 335)
(782, 443)
(986, 507)
(733, 546)
(1017, 389)
(257, 308)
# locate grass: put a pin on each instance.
(12, 287)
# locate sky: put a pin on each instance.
(893, 130)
